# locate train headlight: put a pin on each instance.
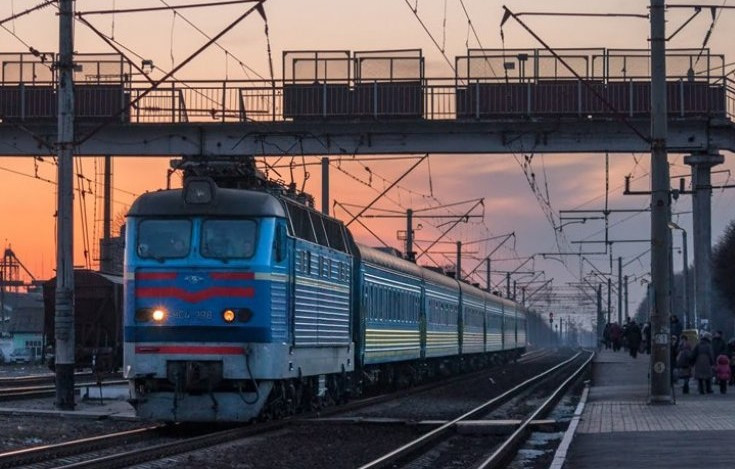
(158, 314)
(199, 190)
(231, 315)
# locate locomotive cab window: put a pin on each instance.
(164, 239)
(228, 239)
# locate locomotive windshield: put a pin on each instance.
(228, 239)
(164, 239)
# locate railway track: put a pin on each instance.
(46, 390)
(410, 454)
(114, 450)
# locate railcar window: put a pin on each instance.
(334, 234)
(228, 239)
(301, 222)
(164, 239)
(321, 236)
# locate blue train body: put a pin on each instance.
(240, 303)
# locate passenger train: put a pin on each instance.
(242, 304)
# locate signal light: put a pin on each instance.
(228, 315)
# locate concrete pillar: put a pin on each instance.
(64, 301)
(702, 209)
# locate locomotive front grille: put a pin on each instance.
(194, 376)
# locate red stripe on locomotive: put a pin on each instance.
(195, 297)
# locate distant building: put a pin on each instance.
(26, 329)
(21, 322)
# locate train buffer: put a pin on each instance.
(618, 428)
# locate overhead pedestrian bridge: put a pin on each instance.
(378, 102)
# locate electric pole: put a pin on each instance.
(105, 247)
(325, 185)
(609, 299)
(620, 290)
(410, 255)
(600, 319)
(625, 285)
(64, 308)
(660, 391)
(488, 284)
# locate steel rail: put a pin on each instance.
(517, 437)
(70, 448)
(14, 380)
(411, 447)
(27, 392)
(212, 439)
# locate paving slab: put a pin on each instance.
(619, 428)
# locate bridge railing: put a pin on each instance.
(488, 85)
(435, 99)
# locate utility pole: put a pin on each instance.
(609, 298)
(105, 251)
(660, 391)
(325, 185)
(687, 300)
(507, 284)
(620, 290)
(625, 285)
(64, 316)
(459, 260)
(488, 284)
(515, 283)
(600, 319)
(410, 255)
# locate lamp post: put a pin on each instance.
(685, 259)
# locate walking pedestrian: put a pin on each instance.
(723, 372)
(703, 360)
(616, 336)
(676, 326)
(633, 337)
(684, 363)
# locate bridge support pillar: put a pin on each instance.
(702, 164)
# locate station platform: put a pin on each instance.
(617, 427)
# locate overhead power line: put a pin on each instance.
(431, 36)
(27, 11)
(163, 8)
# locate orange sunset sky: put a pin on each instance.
(27, 203)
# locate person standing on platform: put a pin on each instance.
(633, 337)
(703, 360)
(684, 363)
(606, 336)
(647, 337)
(731, 352)
(723, 372)
(676, 326)
(719, 347)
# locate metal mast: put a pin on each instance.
(325, 185)
(660, 212)
(64, 319)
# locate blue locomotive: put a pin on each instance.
(242, 303)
